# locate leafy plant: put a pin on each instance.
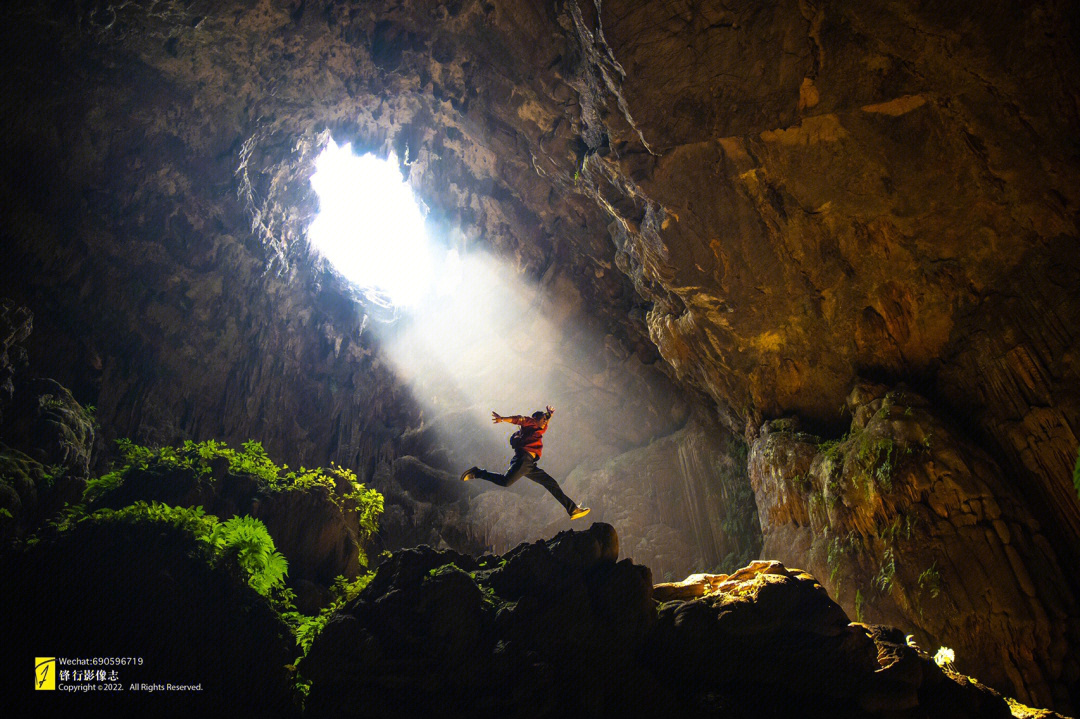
(945, 658)
(902, 526)
(930, 581)
(801, 482)
(859, 602)
(246, 540)
(305, 627)
(836, 549)
(1076, 474)
(883, 580)
(193, 520)
(875, 456)
(831, 450)
(340, 484)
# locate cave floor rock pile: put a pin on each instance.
(563, 628)
(148, 594)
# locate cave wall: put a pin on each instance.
(761, 202)
(157, 202)
(907, 523)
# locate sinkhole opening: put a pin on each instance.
(372, 229)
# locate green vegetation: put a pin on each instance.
(883, 580)
(305, 627)
(875, 457)
(801, 483)
(246, 540)
(250, 460)
(740, 521)
(834, 487)
(886, 407)
(1076, 474)
(830, 449)
(836, 549)
(903, 526)
(243, 541)
(859, 602)
(339, 483)
(930, 581)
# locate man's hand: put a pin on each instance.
(550, 409)
(496, 417)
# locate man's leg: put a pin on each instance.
(546, 481)
(519, 466)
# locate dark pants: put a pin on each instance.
(524, 465)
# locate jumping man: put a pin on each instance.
(528, 443)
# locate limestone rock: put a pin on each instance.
(767, 200)
(909, 524)
(437, 631)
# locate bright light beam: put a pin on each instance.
(370, 226)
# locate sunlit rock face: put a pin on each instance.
(770, 201)
(908, 524)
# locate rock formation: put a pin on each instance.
(563, 627)
(908, 524)
(735, 212)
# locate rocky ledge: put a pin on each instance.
(563, 627)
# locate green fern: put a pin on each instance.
(883, 580)
(1076, 474)
(305, 627)
(193, 520)
(243, 539)
(930, 581)
(246, 540)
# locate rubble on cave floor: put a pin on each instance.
(565, 620)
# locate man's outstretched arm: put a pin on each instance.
(517, 419)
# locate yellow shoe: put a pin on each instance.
(469, 474)
(578, 512)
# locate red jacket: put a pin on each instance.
(531, 435)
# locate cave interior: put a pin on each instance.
(801, 280)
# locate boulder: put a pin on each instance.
(564, 628)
